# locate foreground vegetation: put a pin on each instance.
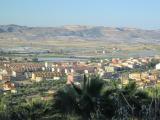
(94, 99)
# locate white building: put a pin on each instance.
(46, 64)
(158, 66)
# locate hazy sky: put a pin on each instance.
(118, 13)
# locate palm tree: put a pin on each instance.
(81, 100)
(133, 98)
(96, 99)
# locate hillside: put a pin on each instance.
(79, 40)
(79, 32)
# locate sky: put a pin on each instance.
(143, 14)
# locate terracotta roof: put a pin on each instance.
(47, 74)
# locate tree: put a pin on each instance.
(81, 100)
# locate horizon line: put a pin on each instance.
(85, 25)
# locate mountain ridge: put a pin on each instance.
(111, 34)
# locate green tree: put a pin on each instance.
(81, 100)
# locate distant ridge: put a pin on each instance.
(109, 34)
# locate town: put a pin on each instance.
(79, 60)
(144, 71)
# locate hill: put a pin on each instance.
(108, 34)
(79, 40)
